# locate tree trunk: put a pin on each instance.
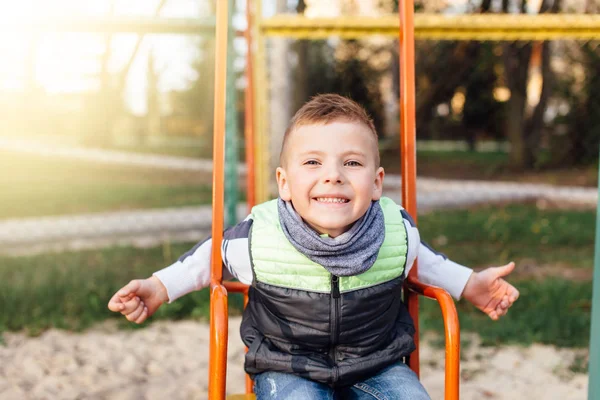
(515, 122)
(535, 124)
(516, 67)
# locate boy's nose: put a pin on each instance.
(333, 175)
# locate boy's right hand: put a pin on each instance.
(139, 299)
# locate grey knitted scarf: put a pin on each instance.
(351, 253)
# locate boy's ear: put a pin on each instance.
(282, 185)
(378, 184)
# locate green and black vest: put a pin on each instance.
(303, 320)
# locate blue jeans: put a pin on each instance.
(396, 382)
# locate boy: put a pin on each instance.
(326, 262)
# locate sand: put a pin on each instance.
(169, 360)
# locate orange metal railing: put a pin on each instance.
(451, 333)
(219, 313)
(218, 293)
(408, 152)
(408, 147)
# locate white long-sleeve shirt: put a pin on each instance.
(192, 271)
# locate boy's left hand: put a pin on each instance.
(487, 291)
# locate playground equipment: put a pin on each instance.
(219, 289)
(480, 27)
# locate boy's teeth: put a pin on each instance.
(331, 200)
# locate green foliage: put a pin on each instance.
(346, 69)
(552, 311)
(481, 111)
(359, 80)
(583, 118)
(197, 101)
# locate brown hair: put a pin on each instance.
(327, 108)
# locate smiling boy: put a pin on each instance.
(326, 262)
(332, 175)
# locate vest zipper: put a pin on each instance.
(335, 316)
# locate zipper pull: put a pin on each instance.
(335, 286)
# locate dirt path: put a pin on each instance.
(169, 360)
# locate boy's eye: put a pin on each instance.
(353, 163)
(311, 162)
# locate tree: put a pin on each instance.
(482, 113)
(580, 145)
(197, 101)
(522, 131)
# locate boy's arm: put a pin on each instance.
(189, 273)
(435, 269)
(192, 270)
(487, 290)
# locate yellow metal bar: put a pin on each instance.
(260, 118)
(318, 28)
(441, 27)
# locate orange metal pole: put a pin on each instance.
(407, 145)
(249, 113)
(235, 287)
(219, 141)
(409, 201)
(218, 297)
(219, 325)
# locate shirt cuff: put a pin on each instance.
(176, 280)
(460, 275)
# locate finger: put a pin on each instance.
(143, 316)
(115, 304)
(505, 303)
(514, 295)
(505, 269)
(500, 311)
(130, 306)
(135, 314)
(493, 315)
(128, 298)
(132, 287)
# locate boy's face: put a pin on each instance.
(330, 174)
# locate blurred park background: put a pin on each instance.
(106, 139)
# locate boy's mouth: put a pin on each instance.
(334, 200)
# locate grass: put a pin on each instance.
(70, 290)
(494, 166)
(491, 235)
(37, 186)
(547, 245)
(552, 311)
